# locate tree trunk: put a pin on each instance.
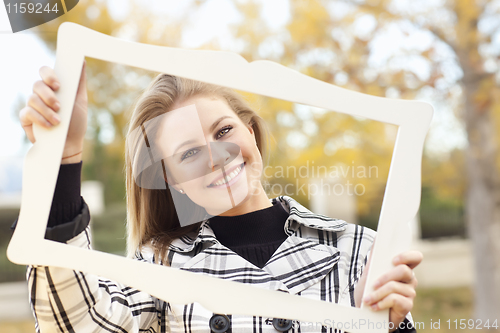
(483, 205)
(483, 187)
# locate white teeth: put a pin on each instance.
(229, 177)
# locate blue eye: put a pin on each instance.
(223, 131)
(189, 153)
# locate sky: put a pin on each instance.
(19, 67)
(26, 54)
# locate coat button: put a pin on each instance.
(219, 323)
(282, 325)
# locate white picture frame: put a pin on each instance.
(400, 203)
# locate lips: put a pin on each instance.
(230, 174)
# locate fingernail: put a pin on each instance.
(56, 85)
(396, 260)
(367, 299)
(57, 118)
(374, 307)
(57, 105)
(376, 284)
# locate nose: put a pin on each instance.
(219, 155)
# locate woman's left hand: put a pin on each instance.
(395, 290)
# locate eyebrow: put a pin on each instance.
(212, 128)
(216, 122)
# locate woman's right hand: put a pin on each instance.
(42, 108)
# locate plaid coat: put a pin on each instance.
(322, 259)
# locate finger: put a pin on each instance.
(400, 304)
(391, 287)
(46, 94)
(38, 105)
(49, 77)
(414, 281)
(400, 273)
(28, 128)
(29, 134)
(410, 258)
(29, 116)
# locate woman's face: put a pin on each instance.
(211, 154)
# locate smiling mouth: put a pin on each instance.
(229, 176)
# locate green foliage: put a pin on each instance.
(109, 231)
(441, 217)
(108, 169)
(8, 270)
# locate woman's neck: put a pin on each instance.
(255, 201)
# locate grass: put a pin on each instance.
(25, 326)
(440, 305)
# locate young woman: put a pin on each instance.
(198, 205)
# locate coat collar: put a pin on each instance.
(298, 263)
(303, 216)
(298, 215)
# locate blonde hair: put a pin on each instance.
(151, 215)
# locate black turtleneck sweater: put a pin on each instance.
(254, 236)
